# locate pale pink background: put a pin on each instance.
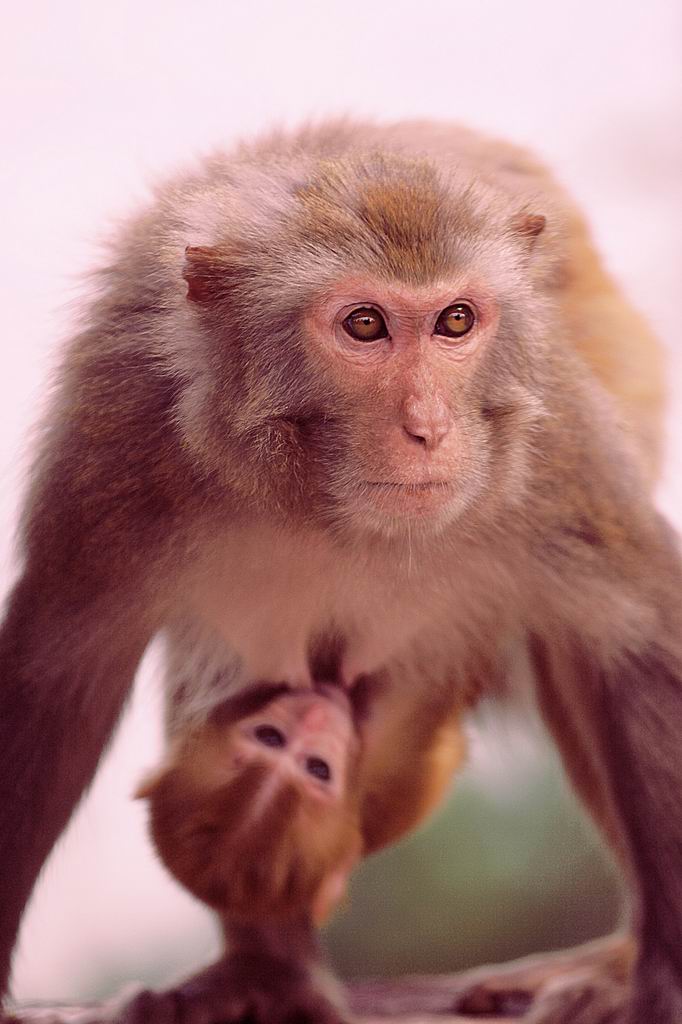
(98, 98)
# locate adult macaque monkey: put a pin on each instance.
(356, 403)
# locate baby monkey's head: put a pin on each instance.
(255, 811)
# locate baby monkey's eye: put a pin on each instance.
(455, 321)
(319, 768)
(365, 324)
(269, 736)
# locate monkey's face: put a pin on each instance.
(303, 739)
(370, 355)
(412, 443)
(258, 816)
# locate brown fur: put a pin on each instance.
(250, 869)
(278, 861)
(243, 826)
(227, 466)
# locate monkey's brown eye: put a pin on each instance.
(319, 768)
(269, 736)
(365, 324)
(455, 321)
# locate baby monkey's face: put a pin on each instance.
(303, 737)
(255, 812)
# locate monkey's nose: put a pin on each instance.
(426, 422)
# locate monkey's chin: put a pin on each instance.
(400, 508)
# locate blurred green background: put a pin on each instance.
(510, 865)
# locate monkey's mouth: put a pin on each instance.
(408, 499)
(408, 487)
(396, 505)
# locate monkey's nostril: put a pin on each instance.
(418, 438)
(425, 422)
(426, 435)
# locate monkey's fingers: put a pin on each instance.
(435, 996)
(582, 998)
(512, 989)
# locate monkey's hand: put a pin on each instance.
(586, 985)
(262, 989)
(585, 997)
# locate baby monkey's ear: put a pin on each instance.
(333, 889)
(149, 784)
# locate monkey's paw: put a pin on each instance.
(539, 990)
(241, 989)
(578, 997)
(582, 998)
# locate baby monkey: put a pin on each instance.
(263, 811)
(256, 811)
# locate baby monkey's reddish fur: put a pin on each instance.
(263, 811)
(257, 813)
(357, 405)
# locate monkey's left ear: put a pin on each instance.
(149, 784)
(528, 226)
(333, 888)
(206, 273)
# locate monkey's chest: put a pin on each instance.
(296, 609)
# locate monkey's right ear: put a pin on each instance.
(205, 272)
(528, 226)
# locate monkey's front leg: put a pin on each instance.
(271, 974)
